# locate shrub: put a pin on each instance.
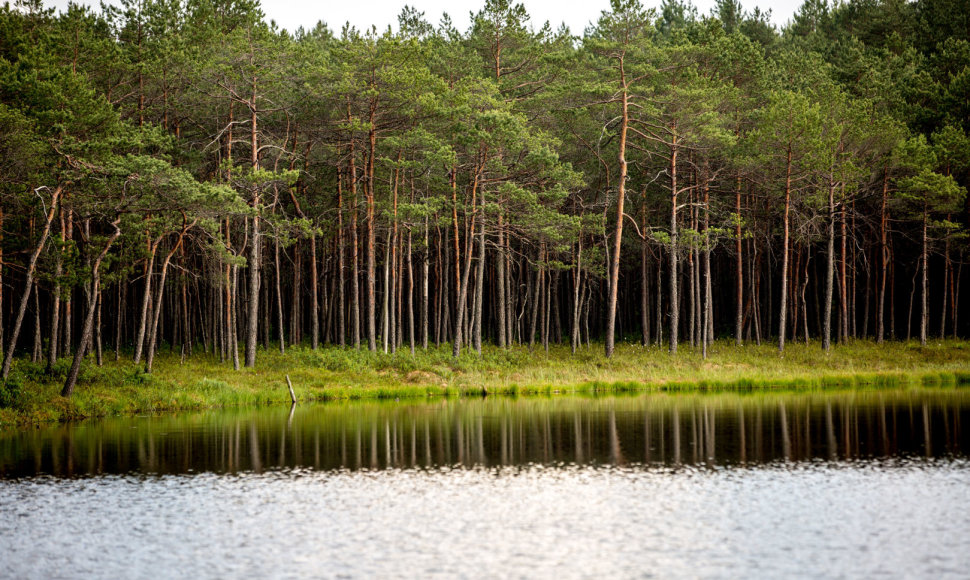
(11, 389)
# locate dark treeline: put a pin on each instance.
(181, 174)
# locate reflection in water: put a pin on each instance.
(820, 485)
(653, 429)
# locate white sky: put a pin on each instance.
(291, 14)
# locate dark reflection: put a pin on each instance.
(664, 429)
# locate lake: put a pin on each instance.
(791, 484)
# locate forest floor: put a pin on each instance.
(30, 396)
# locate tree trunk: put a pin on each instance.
(618, 233)
(510, 295)
(237, 307)
(535, 299)
(87, 284)
(425, 274)
(56, 302)
(72, 375)
(146, 299)
(808, 259)
(354, 260)
(892, 298)
(153, 334)
(255, 250)
(479, 291)
(784, 256)
(398, 310)
(97, 329)
(500, 282)
(279, 296)
(794, 285)
(371, 240)
(341, 253)
(410, 296)
(869, 291)
(739, 268)
(314, 296)
(546, 283)
(232, 304)
(644, 275)
(385, 304)
(454, 222)
(296, 315)
(924, 257)
(854, 275)
(674, 297)
(912, 297)
(843, 281)
(884, 259)
(644, 296)
(442, 275)
(38, 349)
(756, 278)
(222, 334)
(691, 275)
(589, 340)
(187, 337)
(120, 322)
(68, 326)
(708, 330)
(829, 273)
(28, 286)
(946, 283)
(577, 297)
(466, 267)
(956, 294)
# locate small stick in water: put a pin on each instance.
(290, 385)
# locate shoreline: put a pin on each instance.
(30, 398)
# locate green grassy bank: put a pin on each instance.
(30, 396)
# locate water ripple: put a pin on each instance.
(855, 519)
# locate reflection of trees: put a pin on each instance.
(742, 438)
(785, 440)
(660, 428)
(675, 423)
(616, 454)
(926, 431)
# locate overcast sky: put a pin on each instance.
(577, 14)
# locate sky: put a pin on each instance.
(577, 14)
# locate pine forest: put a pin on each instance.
(183, 175)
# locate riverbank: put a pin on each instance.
(120, 388)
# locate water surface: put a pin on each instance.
(725, 485)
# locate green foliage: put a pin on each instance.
(11, 390)
(929, 191)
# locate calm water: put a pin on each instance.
(726, 485)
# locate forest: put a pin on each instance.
(183, 174)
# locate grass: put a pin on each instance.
(30, 396)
